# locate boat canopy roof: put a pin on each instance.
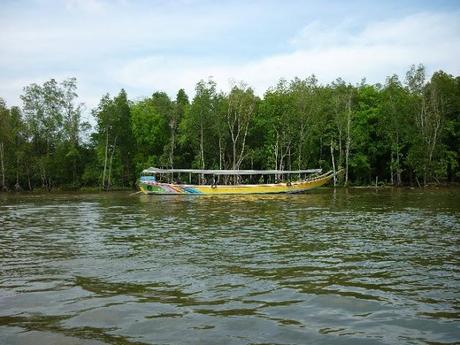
(229, 172)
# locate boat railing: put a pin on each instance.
(229, 172)
(212, 176)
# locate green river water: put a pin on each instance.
(356, 266)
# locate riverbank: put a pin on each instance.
(84, 190)
(130, 191)
(97, 189)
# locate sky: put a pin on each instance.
(156, 45)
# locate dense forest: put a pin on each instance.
(403, 132)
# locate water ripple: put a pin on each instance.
(327, 268)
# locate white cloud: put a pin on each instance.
(376, 51)
(91, 6)
(144, 47)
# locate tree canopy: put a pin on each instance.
(401, 132)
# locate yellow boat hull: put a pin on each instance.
(293, 187)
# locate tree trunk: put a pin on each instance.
(275, 151)
(340, 149)
(74, 177)
(17, 172)
(333, 163)
(171, 152)
(2, 165)
(202, 146)
(235, 177)
(435, 138)
(398, 168)
(109, 180)
(391, 168)
(320, 151)
(233, 155)
(220, 152)
(28, 180)
(299, 157)
(43, 175)
(243, 146)
(289, 159)
(301, 142)
(231, 126)
(348, 143)
(220, 157)
(201, 149)
(105, 159)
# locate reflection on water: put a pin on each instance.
(344, 267)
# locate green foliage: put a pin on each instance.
(398, 133)
(47, 135)
(198, 122)
(114, 141)
(150, 131)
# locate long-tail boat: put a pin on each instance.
(168, 181)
